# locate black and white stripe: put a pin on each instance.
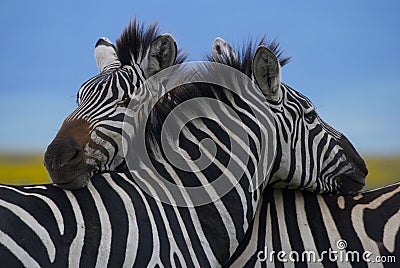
(114, 221)
(90, 139)
(113, 207)
(310, 154)
(299, 221)
(111, 222)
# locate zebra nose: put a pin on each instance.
(354, 156)
(63, 153)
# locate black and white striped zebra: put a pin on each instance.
(290, 221)
(90, 141)
(310, 154)
(90, 138)
(307, 147)
(303, 225)
(112, 222)
(99, 224)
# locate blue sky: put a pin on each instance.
(346, 57)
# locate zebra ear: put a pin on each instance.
(105, 54)
(161, 54)
(267, 71)
(220, 48)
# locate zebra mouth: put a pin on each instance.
(71, 179)
(351, 183)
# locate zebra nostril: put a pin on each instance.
(75, 156)
(62, 153)
(353, 156)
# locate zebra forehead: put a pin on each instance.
(242, 61)
(93, 84)
(105, 81)
(303, 100)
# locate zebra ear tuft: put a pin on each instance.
(161, 54)
(267, 71)
(105, 54)
(221, 49)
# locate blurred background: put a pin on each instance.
(345, 59)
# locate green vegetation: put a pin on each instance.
(29, 169)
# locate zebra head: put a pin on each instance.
(90, 138)
(310, 155)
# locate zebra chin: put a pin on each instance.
(71, 179)
(350, 183)
(353, 180)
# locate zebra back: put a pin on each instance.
(111, 222)
(304, 225)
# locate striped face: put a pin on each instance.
(311, 155)
(90, 139)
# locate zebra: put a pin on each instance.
(113, 222)
(311, 155)
(89, 140)
(307, 147)
(110, 220)
(89, 143)
(299, 221)
(363, 230)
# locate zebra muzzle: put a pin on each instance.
(63, 154)
(64, 161)
(65, 158)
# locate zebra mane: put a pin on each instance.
(244, 58)
(241, 62)
(134, 41)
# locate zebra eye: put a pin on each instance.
(124, 102)
(310, 116)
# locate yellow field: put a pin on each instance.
(23, 169)
(28, 169)
(382, 171)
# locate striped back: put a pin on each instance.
(318, 229)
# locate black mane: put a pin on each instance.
(134, 41)
(243, 60)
